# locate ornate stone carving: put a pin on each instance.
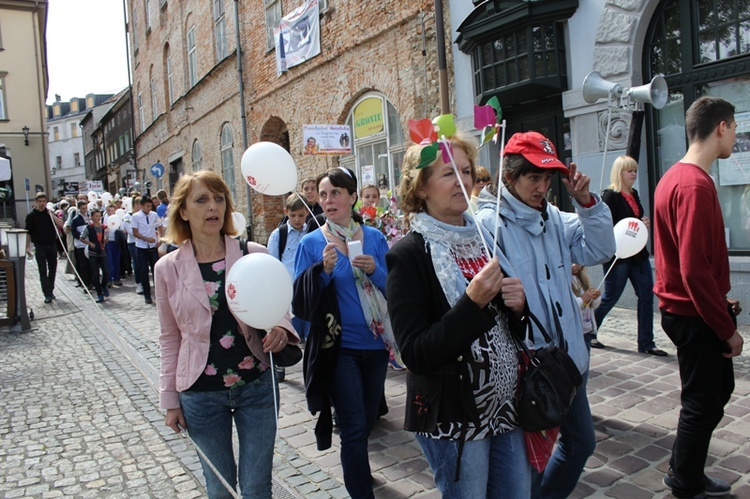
(618, 130)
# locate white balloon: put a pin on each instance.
(92, 206)
(50, 206)
(93, 196)
(113, 222)
(631, 236)
(106, 197)
(269, 169)
(127, 203)
(239, 222)
(120, 212)
(259, 290)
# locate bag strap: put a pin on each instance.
(283, 235)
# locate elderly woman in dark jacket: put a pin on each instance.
(450, 307)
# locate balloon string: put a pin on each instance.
(308, 209)
(447, 146)
(499, 189)
(608, 271)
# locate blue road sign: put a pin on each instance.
(157, 170)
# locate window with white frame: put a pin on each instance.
(273, 16)
(58, 162)
(141, 117)
(197, 156)
(77, 159)
(3, 110)
(56, 132)
(73, 130)
(147, 8)
(192, 70)
(220, 30)
(154, 104)
(135, 30)
(227, 157)
(170, 87)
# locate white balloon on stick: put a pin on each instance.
(127, 203)
(106, 198)
(239, 222)
(120, 212)
(269, 169)
(113, 222)
(50, 206)
(631, 236)
(92, 195)
(259, 290)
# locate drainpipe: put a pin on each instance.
(243, 118)
(445, 107)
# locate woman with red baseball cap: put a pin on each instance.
(540, 243)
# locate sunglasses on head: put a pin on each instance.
(483, 179)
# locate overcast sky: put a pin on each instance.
(85, 48)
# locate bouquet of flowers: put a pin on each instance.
(388, 220)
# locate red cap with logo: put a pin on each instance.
(536, 148)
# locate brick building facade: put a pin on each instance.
(385, 51)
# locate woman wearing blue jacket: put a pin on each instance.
(540, 243)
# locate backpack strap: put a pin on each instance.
(283, 235)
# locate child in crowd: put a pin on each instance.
(588, 299)
(282, 244)
(370, 195)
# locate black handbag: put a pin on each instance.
(547, 387)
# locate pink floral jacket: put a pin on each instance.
(185, 320)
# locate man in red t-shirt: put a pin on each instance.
(692, 282)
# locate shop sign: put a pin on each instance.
(368, 117)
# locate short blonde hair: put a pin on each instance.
(178, 230)
(412, 180)
(621, 164)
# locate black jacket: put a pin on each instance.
(319, 306)
(434, 339)
(621, 209)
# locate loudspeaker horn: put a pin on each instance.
(655, 93)
(595, 87)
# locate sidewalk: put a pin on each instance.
(80, 415)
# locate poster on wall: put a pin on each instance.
(735, 170)
(297, 36)
(326, 140)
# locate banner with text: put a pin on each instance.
(326, 140)
(297, 36)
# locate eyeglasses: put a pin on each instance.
(483, 179)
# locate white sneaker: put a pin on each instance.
(139, 289)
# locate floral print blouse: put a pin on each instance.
(230, 362)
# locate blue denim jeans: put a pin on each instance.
(134, 262)
(574, 447)
(640, 276)
(113, 260)
(209, 415)
(707, 385)
(495, 467)
(357, 389)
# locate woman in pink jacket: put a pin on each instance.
(214, 368)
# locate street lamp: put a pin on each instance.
(25, 131)
(16, 240)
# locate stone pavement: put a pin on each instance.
(91, 426)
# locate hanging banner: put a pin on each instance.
(326, 140)
(297, 36)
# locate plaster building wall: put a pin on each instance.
(24, 86)
(66, 147)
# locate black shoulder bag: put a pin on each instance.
(291, 354)
(547, 387)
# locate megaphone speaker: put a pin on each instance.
(595, 87)
(655, 93)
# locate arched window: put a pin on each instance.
(227, 157)
(703, 48)
(152, 88)
(168, 75)
(192, 57)
(220, 30)
(378, 143)
(197, 156)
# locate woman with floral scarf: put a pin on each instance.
(357, 381)
(452, 311)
